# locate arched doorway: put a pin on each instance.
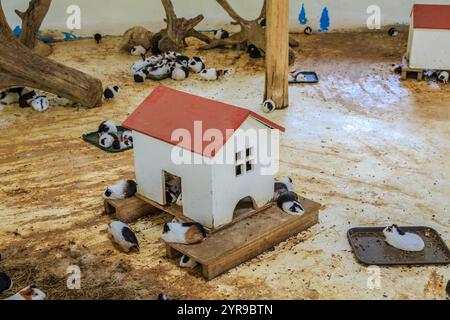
(245, 205)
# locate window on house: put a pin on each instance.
(249, 166)
(239, 170)
(244, 164)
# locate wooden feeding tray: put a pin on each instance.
(129, 210)
(245, 239)
(407, 71)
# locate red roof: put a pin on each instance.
(431, 16)
(166, 110)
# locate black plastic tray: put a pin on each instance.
(370, 247)
(93, 137)
(311, 77)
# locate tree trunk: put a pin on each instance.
(277, 53)
(20, 66)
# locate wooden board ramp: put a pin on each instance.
(246, 239)
(129, 210)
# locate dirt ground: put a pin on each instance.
(372, 149)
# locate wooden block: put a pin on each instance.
(130, 209)
(247, 238)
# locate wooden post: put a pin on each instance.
(277, 52)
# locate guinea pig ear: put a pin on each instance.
(166, 228)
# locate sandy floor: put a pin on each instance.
(374, 150)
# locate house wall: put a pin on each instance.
(152, 157)
(228, 189)
(114, 16)
(430, 49)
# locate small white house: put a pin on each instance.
(221, 153)
(429, 37)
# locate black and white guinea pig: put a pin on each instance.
(443, 76)
(308, 31)
(268, 106)
(183, 233)
(107, 127)
(254, 52)
(171, 55)
(25, 99)
(183, 60)
(393, 32)
(263, 22)
(186, 262)
(126, 144)
(5, 282)
(138, 51)
(282, 185)
(405, 241)
(109, 140)
(180, 72)
(171, 196)
(111, 92)
(395, 68)
(40, 103)
(12, 95)
(122, 190)
(289, 203)
(221, 34)
(197, 64)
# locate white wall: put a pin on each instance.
(228, 189)
(114, 16)
(430, 49)
(152, 157)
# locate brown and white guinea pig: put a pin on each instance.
(183, 233)
(213, 74)
(29, 293)
(122, 190)
(186, 262)
(109, 140)
(127, 135)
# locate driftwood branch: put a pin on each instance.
(20, 66)
(173, 38)
(251, 33)
(32, 20)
